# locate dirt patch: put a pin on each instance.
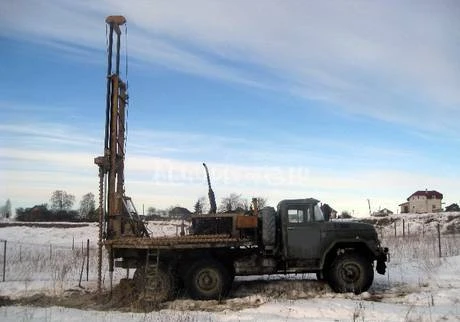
(244, 294)
(121, 298)
(284, 289)
(5, 301)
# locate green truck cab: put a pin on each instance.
(343, 253)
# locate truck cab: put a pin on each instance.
(341, 252)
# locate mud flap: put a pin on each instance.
(381, 267)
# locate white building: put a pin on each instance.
(422, 202)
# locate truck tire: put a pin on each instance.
(208, 280)
(268, 226)
(155, 285)
(350, 272)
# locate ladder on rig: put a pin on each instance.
(151, 279)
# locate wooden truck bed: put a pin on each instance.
(179, 242)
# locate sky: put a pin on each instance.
(343, 101)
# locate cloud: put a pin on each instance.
(392, 61)
(45, 134)
(386, 60)
(157, 176)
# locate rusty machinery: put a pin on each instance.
(117, 214)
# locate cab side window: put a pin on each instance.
(296, 216)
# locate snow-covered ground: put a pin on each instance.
(419, 285)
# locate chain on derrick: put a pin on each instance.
(101, 219)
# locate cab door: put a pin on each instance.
(303, 233)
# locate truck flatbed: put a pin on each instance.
(179, 242)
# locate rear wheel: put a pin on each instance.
(208, 280)
(154, 284)
(350, 272)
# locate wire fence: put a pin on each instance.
(420, 240)
(69, 261)
(57, 264)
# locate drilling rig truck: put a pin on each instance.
(294, 237)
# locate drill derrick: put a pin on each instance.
(111, 164)
(118, 217)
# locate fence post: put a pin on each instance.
(87, 259)
(81, 272)
(404, 228)
(408, 229)
(4, 259)
(73, 242)
(439, 240)
(395, 227)
(51, 251)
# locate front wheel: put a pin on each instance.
(350, 272)
(208, 280)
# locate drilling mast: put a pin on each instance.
(112, 163)
(117, 214)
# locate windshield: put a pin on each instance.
(318, 213)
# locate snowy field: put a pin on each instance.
(419, 285)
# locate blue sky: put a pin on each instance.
(342, 101)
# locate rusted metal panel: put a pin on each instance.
(244, 222)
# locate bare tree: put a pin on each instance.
(233, 202)
(87, 206)
(61, 200)
(151, 211)
(261, 202)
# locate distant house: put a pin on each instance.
(453, 207)
(382, 213)
(422, 202)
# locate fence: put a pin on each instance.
(418, 240)
(52, 265)
(69, 262)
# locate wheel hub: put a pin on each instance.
(207, 280)
(350, 273)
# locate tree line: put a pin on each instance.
(60, 208)
(61, 203)
(232, 203)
